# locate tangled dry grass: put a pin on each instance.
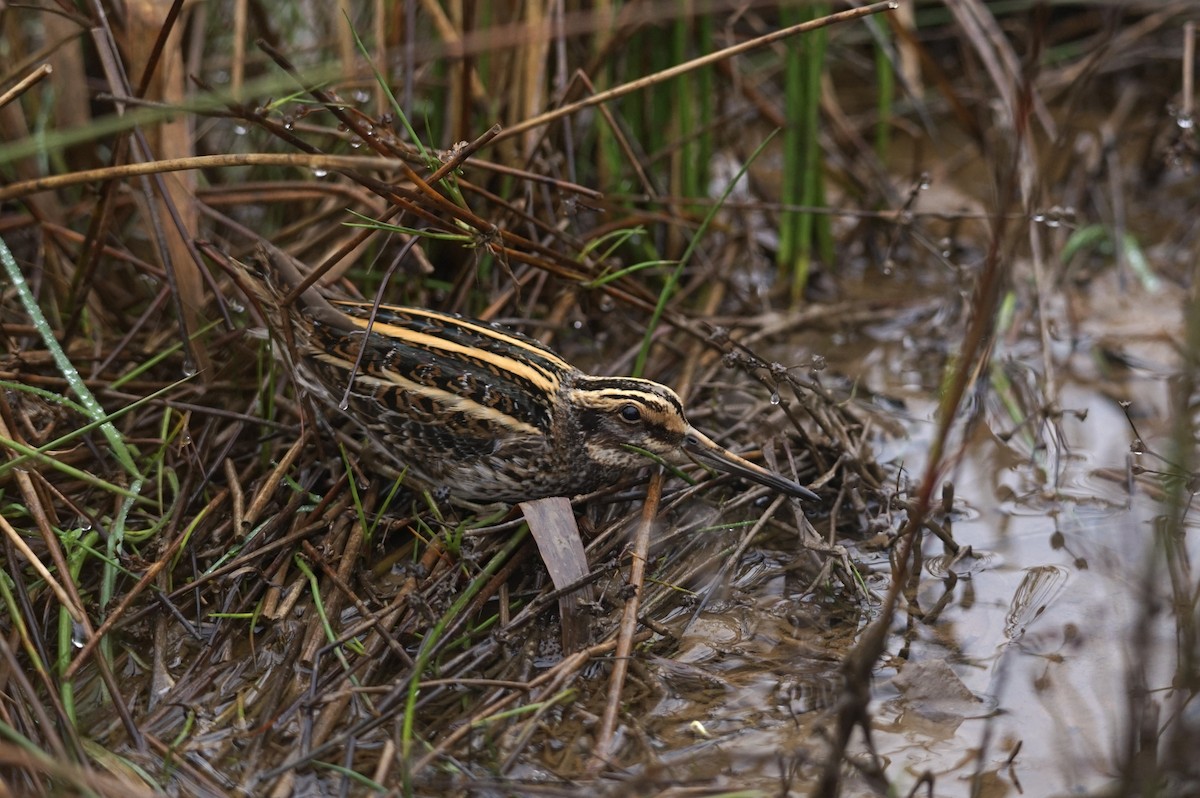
(239, 599)
(212, 587)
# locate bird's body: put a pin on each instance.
(476, 410)
(480, 410)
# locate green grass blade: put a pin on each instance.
(668, 288)
(91, 407)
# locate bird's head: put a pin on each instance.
(619, 415)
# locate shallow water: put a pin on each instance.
(1019, 682)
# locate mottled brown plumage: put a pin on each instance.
(474, 410)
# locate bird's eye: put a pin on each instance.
(631, 413)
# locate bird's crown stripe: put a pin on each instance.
(630, 389)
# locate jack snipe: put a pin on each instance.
(473, 410)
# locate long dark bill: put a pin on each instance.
(706, 451)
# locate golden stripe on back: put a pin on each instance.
(498, 377)
(506, 350)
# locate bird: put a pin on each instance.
(474, 411)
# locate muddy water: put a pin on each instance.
(1018, 683)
